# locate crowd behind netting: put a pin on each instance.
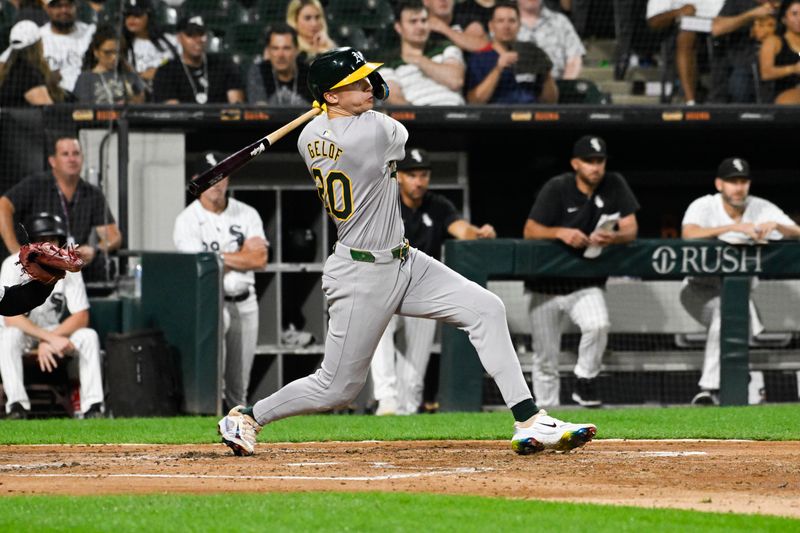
(436, 52)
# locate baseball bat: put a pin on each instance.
(237, 160)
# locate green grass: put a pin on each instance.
(353, 512)
(772, 422)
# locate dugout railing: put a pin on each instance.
(660, 261)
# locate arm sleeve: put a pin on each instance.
(233, 77)
(628, 204)
(478, 67)
(83, 89)
(776, 214)
(392, 136)
(19, 299)
(656, 7)
(101, 214)
(75, 293)
(255, 226)
(255, 85)
(184, 237)
(694, 213)
(453, 53)
(449, 211)
(163, 90)
(546, 206)
(572, 42)
(21, 196)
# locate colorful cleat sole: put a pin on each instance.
(575, 439)
(527, 446)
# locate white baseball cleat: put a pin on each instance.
(542, 432)
(239, 431)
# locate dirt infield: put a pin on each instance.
(738, 476)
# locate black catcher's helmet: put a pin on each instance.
(43, 225)
(341, 66)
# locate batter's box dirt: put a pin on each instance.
(737, 476)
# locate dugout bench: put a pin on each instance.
(649, 273)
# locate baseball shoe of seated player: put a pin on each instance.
(239, 431)
(543, 432)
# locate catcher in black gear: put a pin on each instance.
(44, 262)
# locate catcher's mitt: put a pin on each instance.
(46, 262)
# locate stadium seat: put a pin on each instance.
(368, 14)
(217, 14)
(270, 11)
(349, 35)
(244, 40)
(580, 91)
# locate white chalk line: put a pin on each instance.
(651, 453)
(447, 472)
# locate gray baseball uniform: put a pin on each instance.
(372, 274)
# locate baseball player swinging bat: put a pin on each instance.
(235, 161)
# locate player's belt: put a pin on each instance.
(365, 256)
(238, 297)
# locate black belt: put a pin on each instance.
(238, 297)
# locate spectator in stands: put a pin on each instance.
(422, 74)
(197, 77)
(107, 78)
(734, 216)
(762, 28)
(581, 208)
(507, 71)
(27, 10)
(428, 218)
(735, 21)
(779, 57)
(25, 78)
(81, 206)
(473, 16)
(307, 18)
(147, 46)
(553, 33)
(64, 41)
(44, 331)
(94, 12)
(665, 14)
(282, 79)
(445, 27)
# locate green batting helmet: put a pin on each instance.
(341, 66)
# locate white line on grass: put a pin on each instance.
(450, 472)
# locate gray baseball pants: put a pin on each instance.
(362, 298)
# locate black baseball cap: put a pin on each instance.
(137, 7)
(208, 160)
(589, 146)
(733, 167)
(51, 2)
(192, 25)
(416, 158)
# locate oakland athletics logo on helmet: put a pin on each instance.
(341, 66)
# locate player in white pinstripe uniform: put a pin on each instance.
(399, 378)
(568, 208)
(216, 223)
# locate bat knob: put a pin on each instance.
(194, 188)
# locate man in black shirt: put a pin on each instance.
(428, 219)
(197, 77)
(280, 79)
(586, 209)
(81, 205)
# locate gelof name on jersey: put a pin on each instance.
(320, 148)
